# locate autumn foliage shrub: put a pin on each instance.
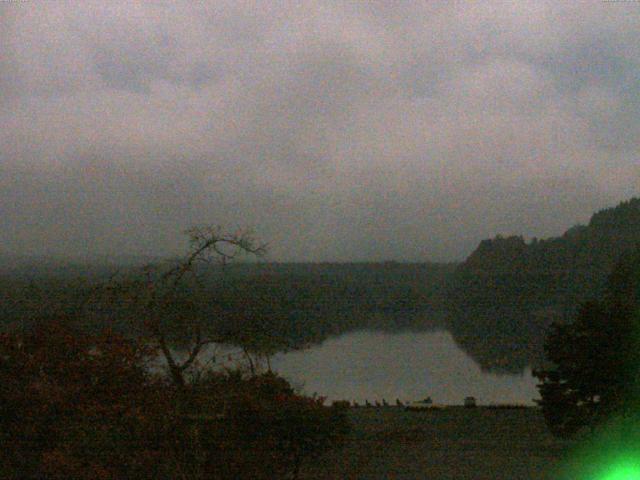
(262, 429)
(78, 406)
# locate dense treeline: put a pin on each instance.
(295, 304)
(508, 292)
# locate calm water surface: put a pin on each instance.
(373, 365)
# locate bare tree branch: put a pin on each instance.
(207, 243)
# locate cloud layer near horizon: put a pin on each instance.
(339, 131)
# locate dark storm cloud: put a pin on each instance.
(337, 130)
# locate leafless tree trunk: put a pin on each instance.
(159, 289)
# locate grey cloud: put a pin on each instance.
(339, 131)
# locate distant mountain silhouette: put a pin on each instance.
(507, 292)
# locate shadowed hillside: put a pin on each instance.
(507, 292)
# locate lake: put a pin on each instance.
(373, 365)
(368, 365)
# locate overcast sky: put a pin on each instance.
(337, 130)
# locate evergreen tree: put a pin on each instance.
(596, 358)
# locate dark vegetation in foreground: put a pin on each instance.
(593, 372)
(590, 386)
(77, 406)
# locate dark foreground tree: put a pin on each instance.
(595, 361)
(80, 405)
(171, 305)
(85, 407)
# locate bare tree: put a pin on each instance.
(163, 295)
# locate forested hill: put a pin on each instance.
(508, 291)
(294, 303)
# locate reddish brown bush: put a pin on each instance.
(75, 406)
(78, 406)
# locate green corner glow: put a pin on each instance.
(625, 470)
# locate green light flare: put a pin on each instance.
(625, 470)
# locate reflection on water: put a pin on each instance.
(409, 366)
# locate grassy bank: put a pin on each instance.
(453, 443)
